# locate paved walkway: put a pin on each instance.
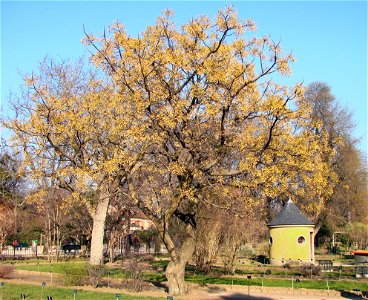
(214, 292)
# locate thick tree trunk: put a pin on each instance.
(99, 218)
(175, 270)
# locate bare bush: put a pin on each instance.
(95, 274)
(222, 234)
(134, 266)
(6, 271)
(308, 270)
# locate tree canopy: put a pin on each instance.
(173, 119)
(349, 196)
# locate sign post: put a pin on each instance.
(74, 294)
(2, 286)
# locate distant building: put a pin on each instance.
(291, 237)
(140, 223)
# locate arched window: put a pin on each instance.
(270, 241)
(301, 240)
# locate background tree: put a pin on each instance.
(223, 230)
(13, 217)
(63, 124)
(12, 185)
(357, 234)
(63, 222)
(348, 201)
(207, 119)
(6, 223)
(117, 225)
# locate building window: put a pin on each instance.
(270, 240)
(301, 240)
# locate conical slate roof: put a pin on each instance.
(290, 215)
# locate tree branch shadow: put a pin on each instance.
(241, 296)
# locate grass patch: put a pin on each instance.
(274, 271)
(72, 268)
(80, 268)
(159, 264)
(56, 267)
(155, 277)
(12, 292)
(270, 282)
(116, 273)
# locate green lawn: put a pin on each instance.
(272, 282)
(277, 271)
(73, 267)
(13, 291)
(56, 267)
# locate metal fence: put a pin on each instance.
(21, 252)
(9, 252)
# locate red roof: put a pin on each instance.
(360, 252)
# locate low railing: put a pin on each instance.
(19, 252)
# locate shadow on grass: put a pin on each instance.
(216, 289)
(241, 296)
(353, 295)
(160, 285)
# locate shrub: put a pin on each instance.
(95, 274)
(246, 250)
(148, 258)
(306, 270)
(134, 268)
(262, 249)
(292, 264)
(6, 271)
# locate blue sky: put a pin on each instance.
(328, 39)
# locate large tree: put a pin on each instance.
(180, 118)
(208, 120)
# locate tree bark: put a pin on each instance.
(175, 270)
(98, 230)
(112, 245)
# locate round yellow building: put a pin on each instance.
(291, 237)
